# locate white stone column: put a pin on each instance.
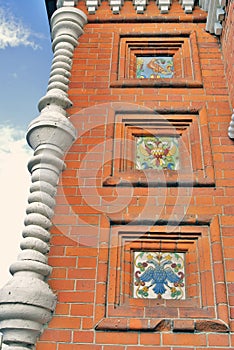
(231, 127)
(26, 301)
(215, 16)
(204, 4)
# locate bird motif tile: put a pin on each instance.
(154, 67)
(159, 275)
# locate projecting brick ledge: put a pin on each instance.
(161, 325)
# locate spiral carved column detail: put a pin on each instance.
(26, 301)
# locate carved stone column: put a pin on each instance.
(26, 301)
(215, 16)
(204, 4)
(231, 127)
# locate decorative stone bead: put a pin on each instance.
(92, 6)
(116, 5)
(164, 5)
(140, 5)
(187, 5)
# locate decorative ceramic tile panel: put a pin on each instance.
(153, 67)
(157, 153)
(159, 275)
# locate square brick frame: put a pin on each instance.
(182, 46)
(205, 307)
(196, 168)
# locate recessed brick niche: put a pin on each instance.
(203, 305)
(161, 149)
(172, 58)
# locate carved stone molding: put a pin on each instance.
(214, 8)
(26, 301)
(215, 16)
(204, 4)
(231, 127)
(187, 5)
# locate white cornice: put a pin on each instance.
(70, 3)
(214, 8)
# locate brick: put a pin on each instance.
(183, 325)
(77, 297)
(58, 273)
(73, 346)
(46, 346)
(148, 347)
(81, 251)
(113, 347)
(63, 262)
(227, 220)
(184, 339)
(85, 285)
(62, 284)
(82, 310)
(111, 338)
(217, 340)
(56, 335)
(83, 336)
(65, 322)
(62, 309)
(57, 251)
(87, 262)
(149, 339)
(87, 323)
(81, 273)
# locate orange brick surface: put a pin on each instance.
(91, 313)
(228, 50)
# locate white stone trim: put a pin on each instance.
(204, 4)
(163, 5)
(231, 127)
(140, 5)
(187, 5)
(116, 6)
(26, 301)
(213, 7)
(92, 6)
(70, 3)
(215, 16)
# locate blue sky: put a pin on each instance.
(25, 60)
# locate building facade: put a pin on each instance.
(128, 241)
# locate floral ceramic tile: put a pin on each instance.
(159, 275)
(157, 153)
(153, 67)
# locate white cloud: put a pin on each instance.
(13, 32)
(14, 188)
(14, 75)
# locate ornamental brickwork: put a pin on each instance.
(142, 254)
(138, 108)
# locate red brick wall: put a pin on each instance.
(228, 48)
(93, 218)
